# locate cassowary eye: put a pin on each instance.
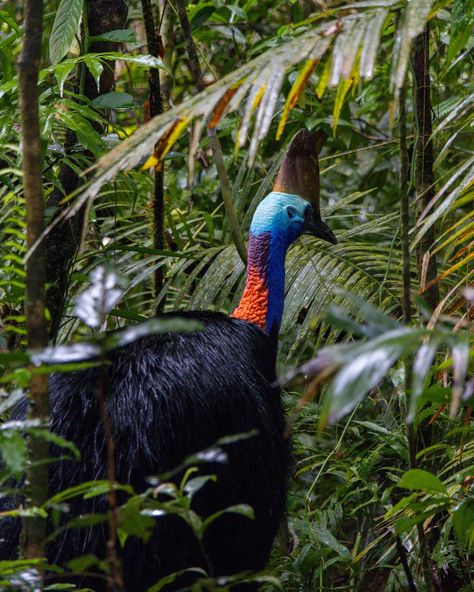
(291, 211)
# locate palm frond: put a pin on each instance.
(259, 81)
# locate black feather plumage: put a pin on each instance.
(167, 397)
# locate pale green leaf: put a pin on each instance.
(463, 522)
(65, 27)
(422, 480)
(114, 100)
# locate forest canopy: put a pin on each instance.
(137, 139)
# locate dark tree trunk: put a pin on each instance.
(36, 483)
(426, 263)
(156, 107)
(63, 240)
(423, 174)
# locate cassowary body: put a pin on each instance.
(157, 421)
(173, 395)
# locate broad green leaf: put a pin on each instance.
(133, 522)
(325, 537)
(114, 100)
(422, 480)
(95, 68)
(463, 522)
(86, 134)
(148, 61)
(63, 354)
(61, 72)
(65, 27)
(201, 16)
(116, 36)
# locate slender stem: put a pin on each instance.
(167, 36)
(405, 247)
(156, 107)
(226, 188)
(84, 49)
(404, 208)
(404, 561)
(36, 483)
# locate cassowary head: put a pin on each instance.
(286, 216)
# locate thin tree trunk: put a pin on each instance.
(167, 16)
(423, 173)
(404, 208)
(226, 187)
(64, 239)
(156, 107)
(34, 532)
(426, 263)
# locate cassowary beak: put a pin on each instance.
(316, 227)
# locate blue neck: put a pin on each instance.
(270, 220)
(276, 283)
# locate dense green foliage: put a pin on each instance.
(356, 501)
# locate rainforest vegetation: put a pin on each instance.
(136, 140)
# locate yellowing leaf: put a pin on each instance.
(342, 90)
(295, 93)
(324, 79)
(165, 143)
(220, 108)
(448, 272)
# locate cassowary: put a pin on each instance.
(169, 396)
